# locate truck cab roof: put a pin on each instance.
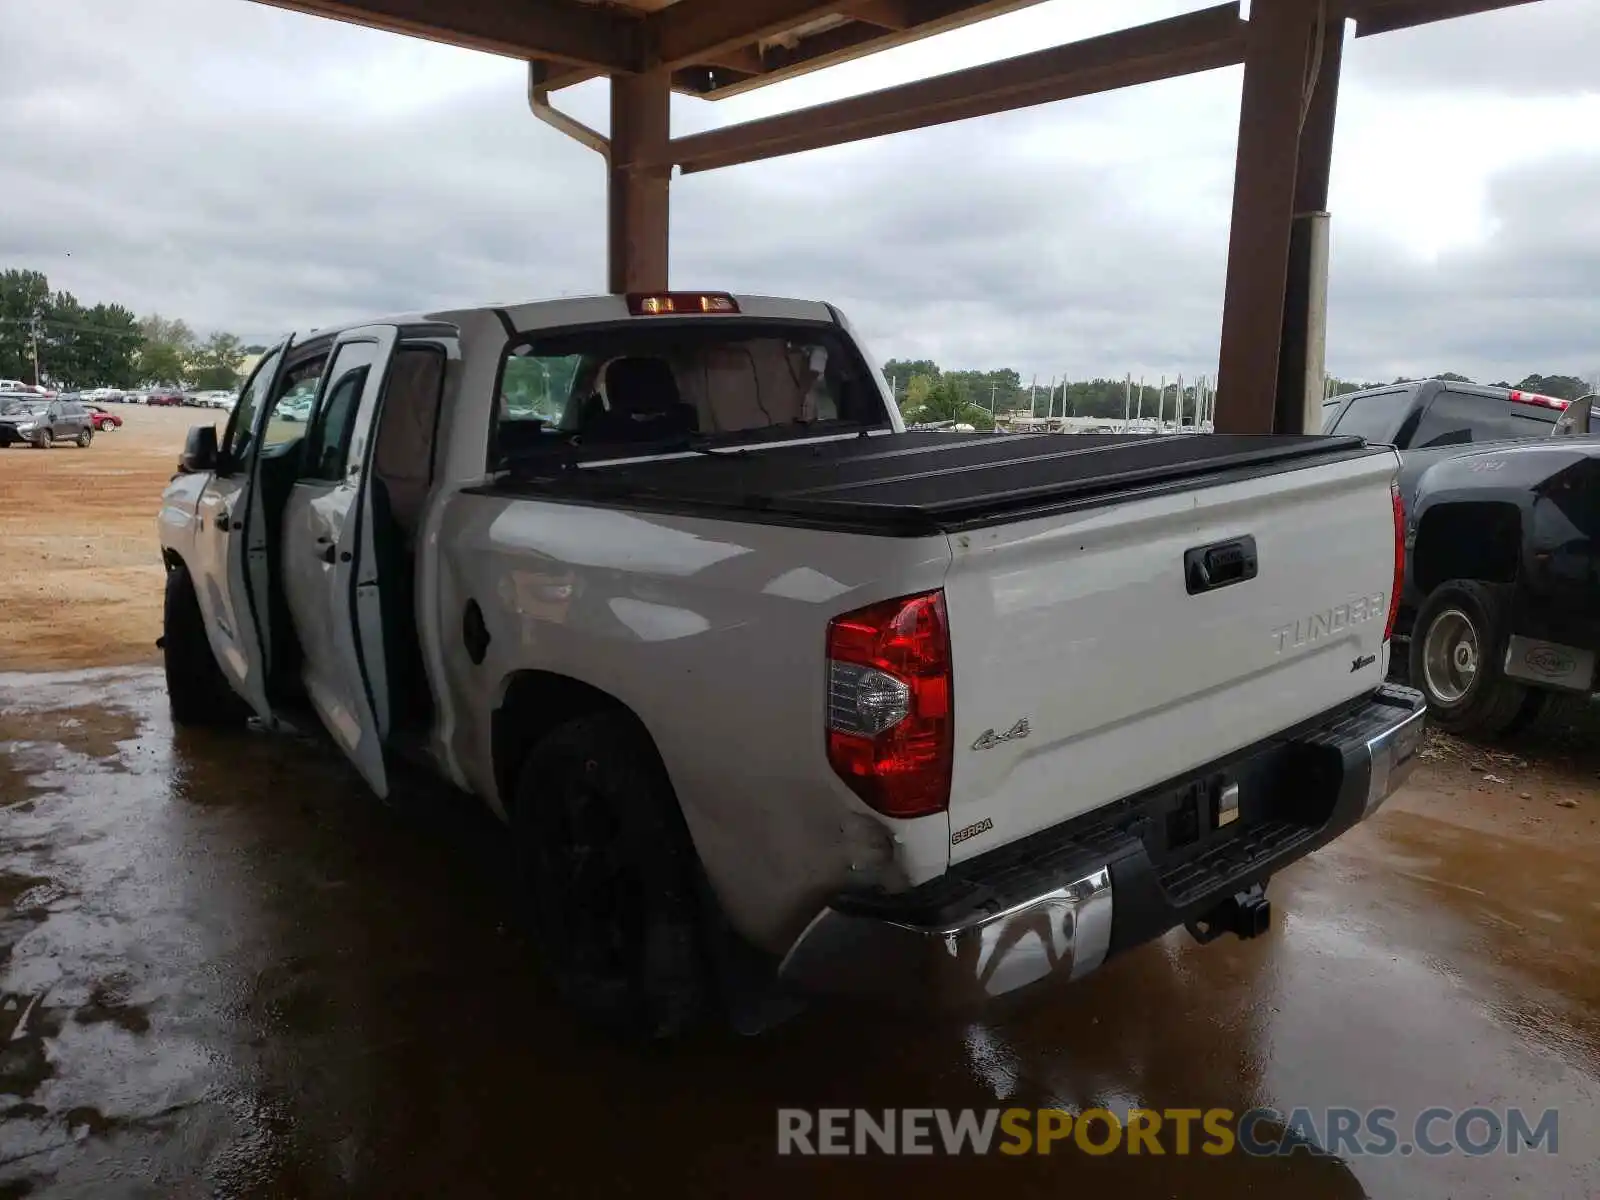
(529, 316)
(1424, 413)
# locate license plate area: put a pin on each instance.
(1275, 785)
(1198, 811)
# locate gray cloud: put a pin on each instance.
(1529, 296)
(1549, 48)
(256, 170)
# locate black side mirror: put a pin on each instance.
(199, 450)
(1574, 422)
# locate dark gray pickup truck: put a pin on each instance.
(1501, 605)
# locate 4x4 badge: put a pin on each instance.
(989, 739)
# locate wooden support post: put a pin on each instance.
(639, 181)
(1301, 356)
(1279, 49)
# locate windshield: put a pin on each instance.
(19, 408)
(642, 385)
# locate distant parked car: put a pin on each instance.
(42, 423)
(166, 397)
(102, 418)
(31, 389)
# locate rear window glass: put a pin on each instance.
(1459, 418)
(639, 386)
(1375, 417)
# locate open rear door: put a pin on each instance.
(331, 563)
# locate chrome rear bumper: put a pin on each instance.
(1089, 891)
(1064, 931)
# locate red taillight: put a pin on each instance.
(1555, 402)
(1399, 560)
(890, 723)
(665, 304)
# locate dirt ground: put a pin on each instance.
(80, 570)
(80, 586)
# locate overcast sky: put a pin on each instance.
(256, 170)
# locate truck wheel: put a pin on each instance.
(1457, 652)
(197, 690)
(608, 874)
(85, 438)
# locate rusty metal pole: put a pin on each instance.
(1278, 54)
(639, 180)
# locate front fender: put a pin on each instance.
(176, 520)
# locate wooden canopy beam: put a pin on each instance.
(1386, 16)
(697, 31)
(564, 31)
(1198, 41)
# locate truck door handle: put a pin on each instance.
(1206, 568)
(224, 520)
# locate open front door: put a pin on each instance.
(330, 567)
(229, 560)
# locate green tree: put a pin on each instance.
(23, 298)
(916, 392)
(1563, 387)
(997, 391)
(214, 366)
(167, 348)
(947, 401)
(113, 362)
(896, 369)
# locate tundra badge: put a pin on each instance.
(989, 739)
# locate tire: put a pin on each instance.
(1538, 706)
(1457, 656)
(45, 440)
(85, 438)
(609, 876)
(197, 690)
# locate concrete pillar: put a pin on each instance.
(1279, 55)
(638, 182)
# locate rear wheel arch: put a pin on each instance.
(535, 703)
(609, 877)
(1467, 540)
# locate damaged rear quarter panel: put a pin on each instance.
(713, 633)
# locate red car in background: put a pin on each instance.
(103, 419)
(167, 396)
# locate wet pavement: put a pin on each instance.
(226, 970)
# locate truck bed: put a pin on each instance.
(914, 484)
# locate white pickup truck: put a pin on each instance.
(768, 688)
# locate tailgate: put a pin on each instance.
(1090, 663)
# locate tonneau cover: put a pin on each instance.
(919, 482)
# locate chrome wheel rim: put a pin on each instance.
(1451, 656)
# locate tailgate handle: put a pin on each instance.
(1206, 568)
